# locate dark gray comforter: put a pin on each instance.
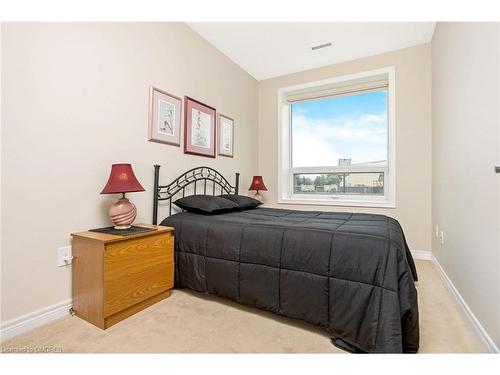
(351, 274)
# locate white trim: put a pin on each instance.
(32, 320)
(421, 254)
(481, 332)
(38, 318)
(346, 202)
(284, 148)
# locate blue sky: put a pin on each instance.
(352, 126)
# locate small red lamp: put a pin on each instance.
(257, 184)
(122, 180)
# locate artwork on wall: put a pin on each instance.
(164, 117)
(199, 128)
(226, 135)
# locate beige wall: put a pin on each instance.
(75, 100)
(1, 152)
(413, 136)
(465, 147)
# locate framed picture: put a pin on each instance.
(164, 117)
(226, 135)
(199, 128)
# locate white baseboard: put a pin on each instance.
(421, 254)
(481, 332)
(35, 319)
(27, 322)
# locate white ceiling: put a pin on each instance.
(270, 49)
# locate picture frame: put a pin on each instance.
(165, 112)
(199, 128)
(225, 133)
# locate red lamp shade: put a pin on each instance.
(257, 184)
(121, 180)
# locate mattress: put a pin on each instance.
(351, 274)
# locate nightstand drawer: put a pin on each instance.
(136, 270)
(157, 248)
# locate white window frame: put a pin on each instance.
(286, 172)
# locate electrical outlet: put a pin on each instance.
(64, 256)
(437, 231)
(441, 237)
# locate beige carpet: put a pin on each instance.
(188, 322)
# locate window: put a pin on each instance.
(337, 141)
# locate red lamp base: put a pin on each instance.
(258, 196)
(122, 213)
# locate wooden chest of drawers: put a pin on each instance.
(117, 276)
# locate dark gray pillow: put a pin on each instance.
(244, 202)
(206, 204)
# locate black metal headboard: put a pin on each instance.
(191, 177)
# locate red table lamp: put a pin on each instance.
(257, 184)
(122, 180)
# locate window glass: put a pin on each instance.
(348, 183)
(340, 130)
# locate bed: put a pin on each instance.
(351, 274)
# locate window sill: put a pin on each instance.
(338, 202)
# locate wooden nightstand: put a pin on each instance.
(117, 276)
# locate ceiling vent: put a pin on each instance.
(320, 46)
